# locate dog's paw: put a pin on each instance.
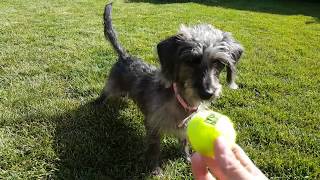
(157, 171)
(218, 91)
(233, 86)
(100, 101)
(188, 158)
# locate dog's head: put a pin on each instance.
(195, 57)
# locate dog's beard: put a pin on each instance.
(190, 94)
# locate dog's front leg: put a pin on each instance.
(186, 149)
(153, 150)
(231, 78)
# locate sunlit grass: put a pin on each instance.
(54, 60)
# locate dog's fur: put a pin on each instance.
(193, 59)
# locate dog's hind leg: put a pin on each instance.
(110, 89)
(102, 98)
(153, 150)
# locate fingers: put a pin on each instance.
(199, 168)
(244, 159)
(198, 165)
(215, 168)
(227, 162)
(247, 163)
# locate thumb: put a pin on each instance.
(199, 168)
(227, 162)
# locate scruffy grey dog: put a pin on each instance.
(191, 62)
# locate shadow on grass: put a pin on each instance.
(99, 143)
(285, 7)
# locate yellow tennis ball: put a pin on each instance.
(205, 127)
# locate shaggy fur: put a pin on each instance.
(193, 59)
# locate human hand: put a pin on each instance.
(227, 164)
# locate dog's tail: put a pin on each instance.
(110, 33)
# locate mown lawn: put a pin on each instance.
(54, 60)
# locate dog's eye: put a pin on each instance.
(216, 63)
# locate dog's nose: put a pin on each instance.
(206, 93)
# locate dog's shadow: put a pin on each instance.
(95, 142)
(292, 7)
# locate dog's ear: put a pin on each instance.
(167, 54)
(236, 51)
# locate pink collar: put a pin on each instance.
(182, 102)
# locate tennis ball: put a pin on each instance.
(205, 127)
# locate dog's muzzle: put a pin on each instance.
(206, 94)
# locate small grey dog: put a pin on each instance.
(191, 62)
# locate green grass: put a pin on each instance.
(54, 60)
